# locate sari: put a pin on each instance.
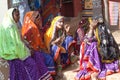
(22, 66)
(33, 37)
(93, 57)
(61, 50)
(70, 56)
(50, 35)
(80, 33)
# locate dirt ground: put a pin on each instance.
(69, 74)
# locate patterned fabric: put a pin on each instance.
(62, 50)
(32, 68)
(4, 70)
(90, 62)
(100, 56)
(82, 29)
(30, 32)
(33, 37)
(50, 10)
(11, 46)
(109, 49)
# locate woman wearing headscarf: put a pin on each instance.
(53, 38)
(70, 46)
(12, 49)
(33, 37)
(98, 56)
(80, 33)
(23, 7)
(57, 43)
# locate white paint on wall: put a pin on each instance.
(3, 9)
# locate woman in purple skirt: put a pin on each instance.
(99, 53)
(21, 64)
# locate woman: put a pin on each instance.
(70, 46)
(33, 37)
(53, 38)
(22, 66)
(93, 60)
(82, 29)
(23, 7)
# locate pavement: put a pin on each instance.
(69, 74)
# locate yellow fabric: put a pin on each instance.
(96, 34)
(48, 36)
(90, 19)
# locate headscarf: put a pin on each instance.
(50, 33)
(30, 31)
(11, 46)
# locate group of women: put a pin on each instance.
(31, 54)
(99, 52)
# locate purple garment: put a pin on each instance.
(32, 68)
(91, 56)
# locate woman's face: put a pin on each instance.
(16, 16)
(60, 23)
(38, 20)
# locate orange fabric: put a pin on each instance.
(30, 33)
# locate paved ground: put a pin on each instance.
(69, 74)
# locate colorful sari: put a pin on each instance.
(33, 37)
(93, 60)
(49, 36)
(61, 50)
(69, 57)
(22, 65)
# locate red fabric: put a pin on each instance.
(31, 34)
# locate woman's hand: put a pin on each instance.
(87, 41)
(56, 41)
(93, 24)
(67, 28)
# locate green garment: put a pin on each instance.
(11, 45)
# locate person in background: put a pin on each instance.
(13, 50)
(33, 37)
(81, 31)
(70, 46)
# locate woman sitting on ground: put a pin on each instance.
(99, 53)
(22, 65)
